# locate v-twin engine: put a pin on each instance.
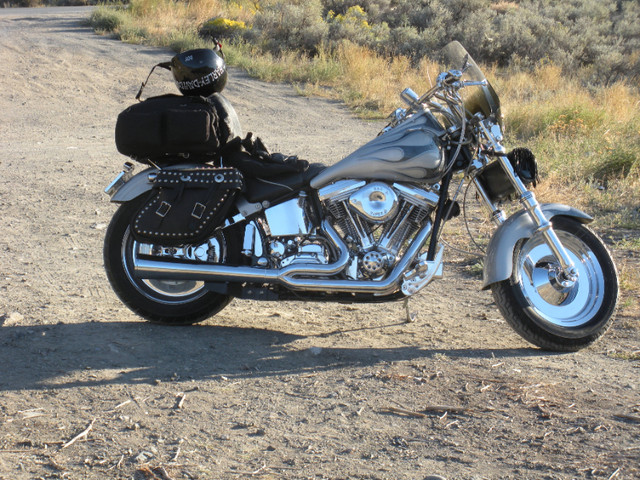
(375, 220)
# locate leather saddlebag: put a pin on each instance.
(186, 205)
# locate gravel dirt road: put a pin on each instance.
(263, 390)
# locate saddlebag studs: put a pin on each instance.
(186, 205)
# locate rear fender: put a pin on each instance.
(139, 183)
(498, 261)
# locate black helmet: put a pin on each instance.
(199, 72)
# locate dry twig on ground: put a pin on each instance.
(82, 434)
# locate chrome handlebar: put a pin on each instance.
(447, 82)
(446, 89)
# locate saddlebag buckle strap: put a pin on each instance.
(163, 209)
(198, 210)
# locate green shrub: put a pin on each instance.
(283, 26)
(106, 19)
(179, 41)
(222, 28)
(601, 36)
(354, 26)
(618, 163)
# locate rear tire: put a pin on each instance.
(168, 302)
(552, 316)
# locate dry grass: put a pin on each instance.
(589, 142)
(503, 7)
(165, 15)
(163, 22)
(371, 81)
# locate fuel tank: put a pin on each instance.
(409, 152)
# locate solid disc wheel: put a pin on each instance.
(545, 308)
(170, 302)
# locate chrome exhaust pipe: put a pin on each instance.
(382, 287)
(288, 276)
(146, 268)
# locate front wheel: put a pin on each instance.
(546, 310)
(170, 302)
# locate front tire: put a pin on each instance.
(547, 313)
(168, 302)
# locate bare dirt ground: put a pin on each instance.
(263, 390)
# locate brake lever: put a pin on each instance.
(475, 83)
(447, 79)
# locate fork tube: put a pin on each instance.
(497, 216)
(531, 205)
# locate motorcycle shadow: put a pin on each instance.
(130, 353)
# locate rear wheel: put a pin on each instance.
(547, 310)
(170, 302)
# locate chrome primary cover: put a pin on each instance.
(410, 152)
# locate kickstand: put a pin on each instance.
(411, 317)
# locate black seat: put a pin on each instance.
(270, 188)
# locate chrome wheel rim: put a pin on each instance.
(552, 300)
(170, 292)
(174, 288)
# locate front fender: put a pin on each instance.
(498, 261)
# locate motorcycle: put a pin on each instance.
(368, 228)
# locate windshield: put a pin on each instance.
(476, 99)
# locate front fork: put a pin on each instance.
(568, 274)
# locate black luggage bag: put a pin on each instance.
(170, 128)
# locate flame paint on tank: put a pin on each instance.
(410, 152)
